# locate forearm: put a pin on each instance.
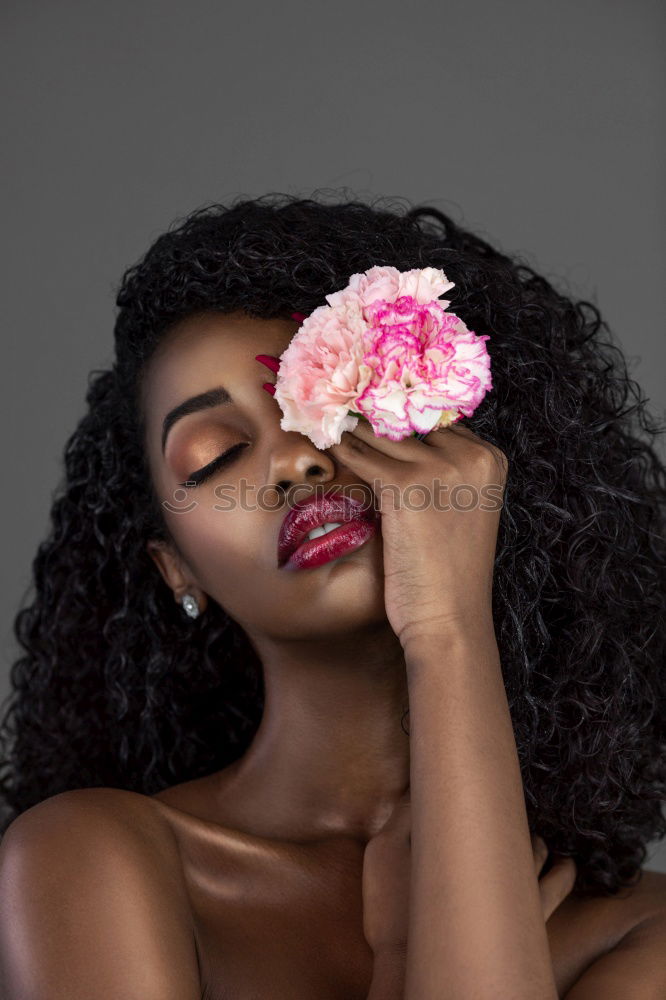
(476, 927)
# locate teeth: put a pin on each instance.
(322, 529)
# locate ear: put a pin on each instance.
(174, 571)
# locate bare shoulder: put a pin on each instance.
(115, 804)
(85, 818)
(92, 901)
(633, 969)
(91, 829)
(612, 946)
(605, 919)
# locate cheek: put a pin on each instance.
(232, 554)
(214, 540)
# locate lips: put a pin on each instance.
(315, 511)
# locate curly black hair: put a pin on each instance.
(116, 687)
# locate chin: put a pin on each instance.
(342, 606)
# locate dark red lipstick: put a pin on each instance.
(358, 522)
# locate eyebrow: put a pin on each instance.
(204, 401)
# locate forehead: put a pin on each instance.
(207, 350)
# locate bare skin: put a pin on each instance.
(259, 873)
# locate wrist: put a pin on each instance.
(457, 623)
(433, 648)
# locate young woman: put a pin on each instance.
(232, 775)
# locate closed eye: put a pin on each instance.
(201, 475)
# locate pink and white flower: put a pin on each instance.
(385, 348)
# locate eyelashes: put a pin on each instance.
(201, 475)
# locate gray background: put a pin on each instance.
(539, 125)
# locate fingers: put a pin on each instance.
(369, 456)
(452, 436)
(498, 456)
(400, 819)
(557, 884)
(439, 434)
(364, 442)
(408, 448)
(442, 437)
(540, 852)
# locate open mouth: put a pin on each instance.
(332, 544)
(323, 528)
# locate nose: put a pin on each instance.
(295, 460)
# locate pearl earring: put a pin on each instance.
(190, 605)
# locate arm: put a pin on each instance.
(386, 875)
(91, 905)
(476, 926)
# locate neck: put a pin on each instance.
(331, 756)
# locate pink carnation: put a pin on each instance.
(428, 369)
(388, 283)
(386, 348)
(320, 374)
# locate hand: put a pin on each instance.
(438, 563)
(556, 884)
(386, 868)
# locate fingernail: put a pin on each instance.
(269, 388)
(269, 361)
(298, 316)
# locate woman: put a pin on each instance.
(227, 775)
